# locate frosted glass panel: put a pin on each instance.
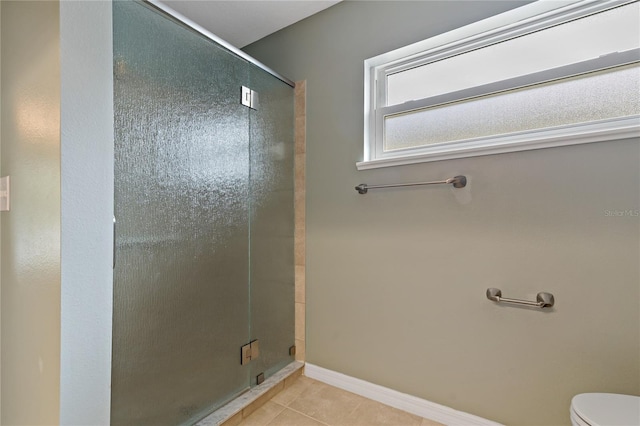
(587, 38)
(181, 296)
(604, 95)
(272, 223)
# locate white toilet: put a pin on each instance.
(605, 409)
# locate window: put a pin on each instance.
(535, 77)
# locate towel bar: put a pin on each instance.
(543, 300)
(457, 181)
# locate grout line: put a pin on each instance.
(277, 403)
(356, 407)
(308, 416)
(288, 407)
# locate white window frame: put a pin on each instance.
(514, 23)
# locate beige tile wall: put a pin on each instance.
(299, 206)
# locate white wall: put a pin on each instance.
(87, 210)
(396, 278)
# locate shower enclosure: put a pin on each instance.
(204, 221)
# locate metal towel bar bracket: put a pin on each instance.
(457, 182)
(543, 300)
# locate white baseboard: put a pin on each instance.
(411, 404)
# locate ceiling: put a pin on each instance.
(241, 22)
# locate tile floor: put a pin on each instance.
(308, 402)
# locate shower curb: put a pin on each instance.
(235, 411)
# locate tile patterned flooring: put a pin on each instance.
(307, 402)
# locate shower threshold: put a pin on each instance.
(254, 398)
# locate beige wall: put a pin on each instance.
(395, 279)
(0, 218)
(57, 145)
(31, 230)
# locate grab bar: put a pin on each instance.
(457, 181)
(543, 300)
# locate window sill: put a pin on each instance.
(606, 130)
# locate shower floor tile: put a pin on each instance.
(313, 403)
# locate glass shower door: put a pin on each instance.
(181, 279)
(271, 223)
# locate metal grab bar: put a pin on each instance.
(457, 181)
(543, 300)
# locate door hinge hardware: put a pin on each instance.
(249, 352)
(260, 378)
(249, 98)
(292, 350)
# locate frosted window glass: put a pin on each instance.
(597, 96)
(616, 30)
